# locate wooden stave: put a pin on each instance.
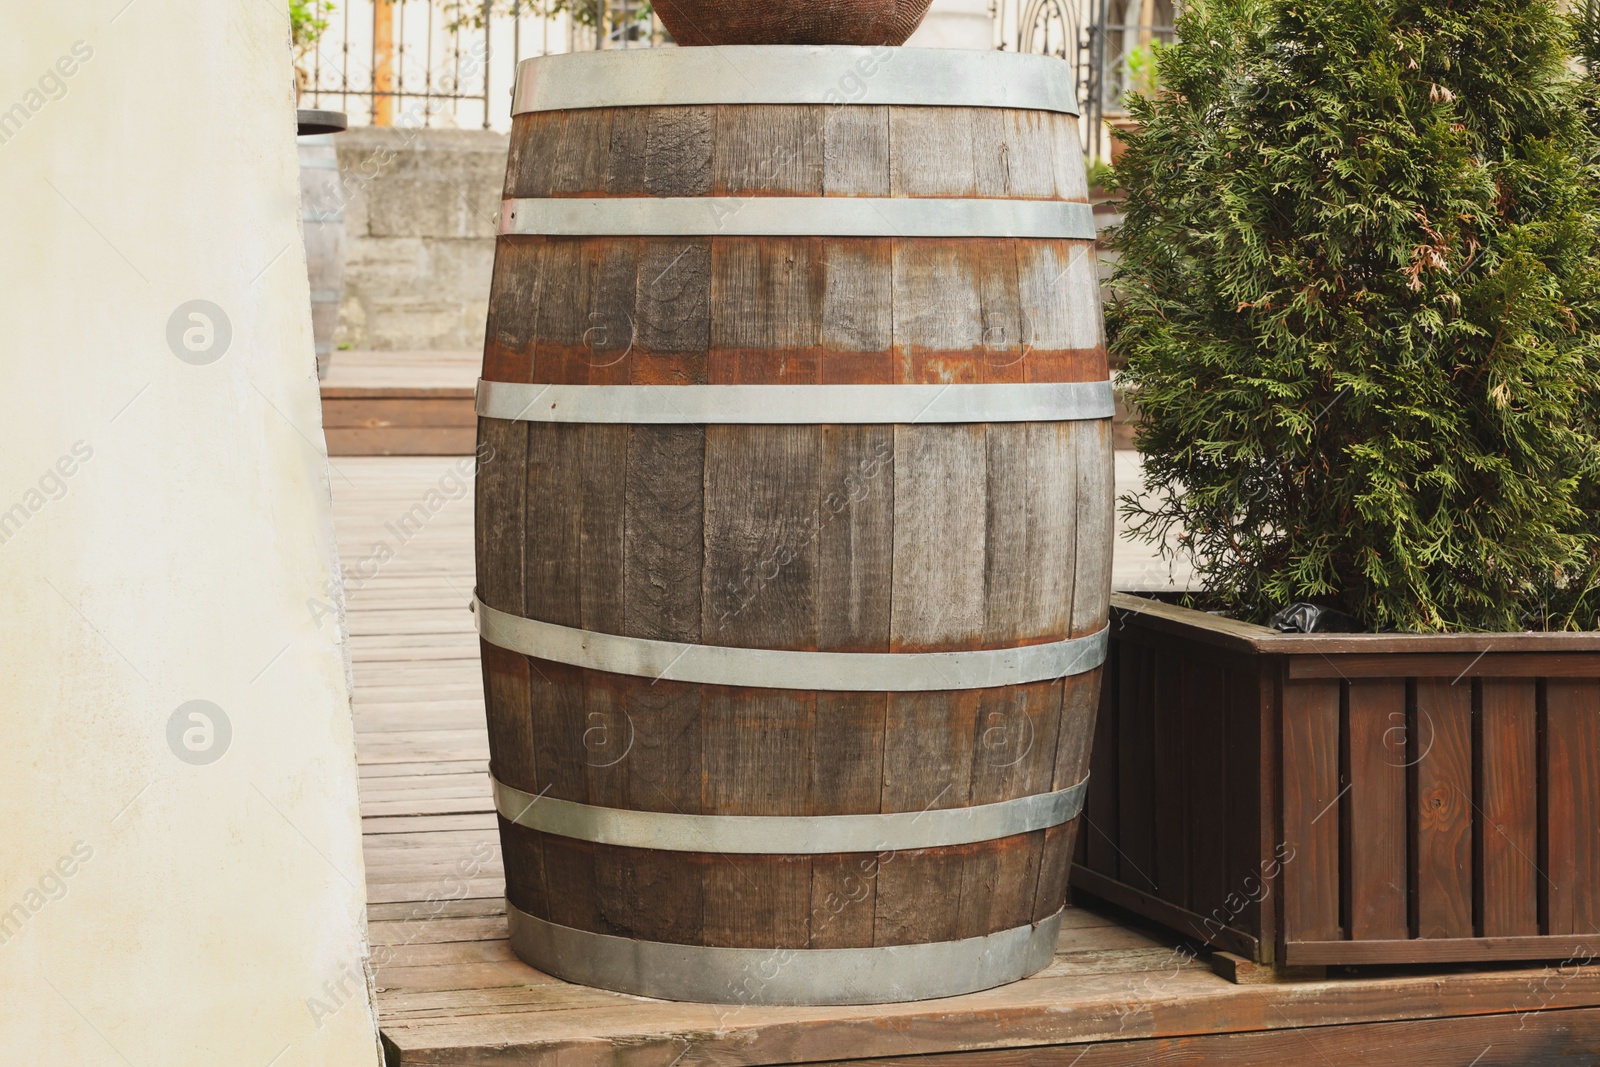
(662, 517)
(678, 311)
(797, 150)
(608, 266)
(848, 900)
(596, 894)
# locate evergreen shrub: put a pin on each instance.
(1358, 302)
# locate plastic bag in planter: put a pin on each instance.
(1304, 618)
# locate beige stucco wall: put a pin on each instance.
(168, 895)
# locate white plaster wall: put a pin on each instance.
(956, 24)
(163, 526)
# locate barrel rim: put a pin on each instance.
(800, 976)
(788, 835)
(842, 75)
(763, 668)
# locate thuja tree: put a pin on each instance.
(1359, 301)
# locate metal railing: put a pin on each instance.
(453, 62)
(1110, 44)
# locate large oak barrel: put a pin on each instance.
(794, 519)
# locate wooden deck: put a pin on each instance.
(401, 403)
(451, 993)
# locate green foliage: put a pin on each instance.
(1102, 176)
(1586, 25)
(1359, 297)
(1144, 68)
(308, 21)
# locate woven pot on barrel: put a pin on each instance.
(861, 22)
(794, 519)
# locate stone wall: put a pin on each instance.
(421, 210)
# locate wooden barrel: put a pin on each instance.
(794, 519)
(322, 215)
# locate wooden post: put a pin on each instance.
(1147, 17)
(383, 63)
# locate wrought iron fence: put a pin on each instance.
(1111, 45)
(453, 62)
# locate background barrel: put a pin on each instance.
(322, 213)
(890, 540)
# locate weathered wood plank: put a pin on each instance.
(554, 529)
(1071, 175)
(758, 901)
(499, 512)
(1377, 878)
(761, 537)
(673, 306)
(855, 543)
(663, 548)
(856, 334)
(1136, 757)
(1207, 767)
(1102, 819)
(1572, 737)
(399, 413)
(1487, 1041)
(582, 154)
(1311, 815)
(1028, 154)
(510, 712)
(601, 546)
(856, 151)
(940, 507)
(766, 295)
(1169, 684)
(1442, 780)
(996, 884)
(1061, 328)
(769, 149)
(938, 311)
(919, 136)
(757, 752)
(1006, 544)
(626, 157)
(1507, 750)
(678, 151)
(513, 309)
(1096, 527)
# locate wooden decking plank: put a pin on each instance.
(1106, 1008)
(450, 992)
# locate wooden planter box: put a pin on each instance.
(1309, 800)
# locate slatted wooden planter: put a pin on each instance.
(1311, 800)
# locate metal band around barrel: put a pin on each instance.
(795, 74)
(819, 976)
(795, 216)
(762, 668)
(797, 835)
(795, 404)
